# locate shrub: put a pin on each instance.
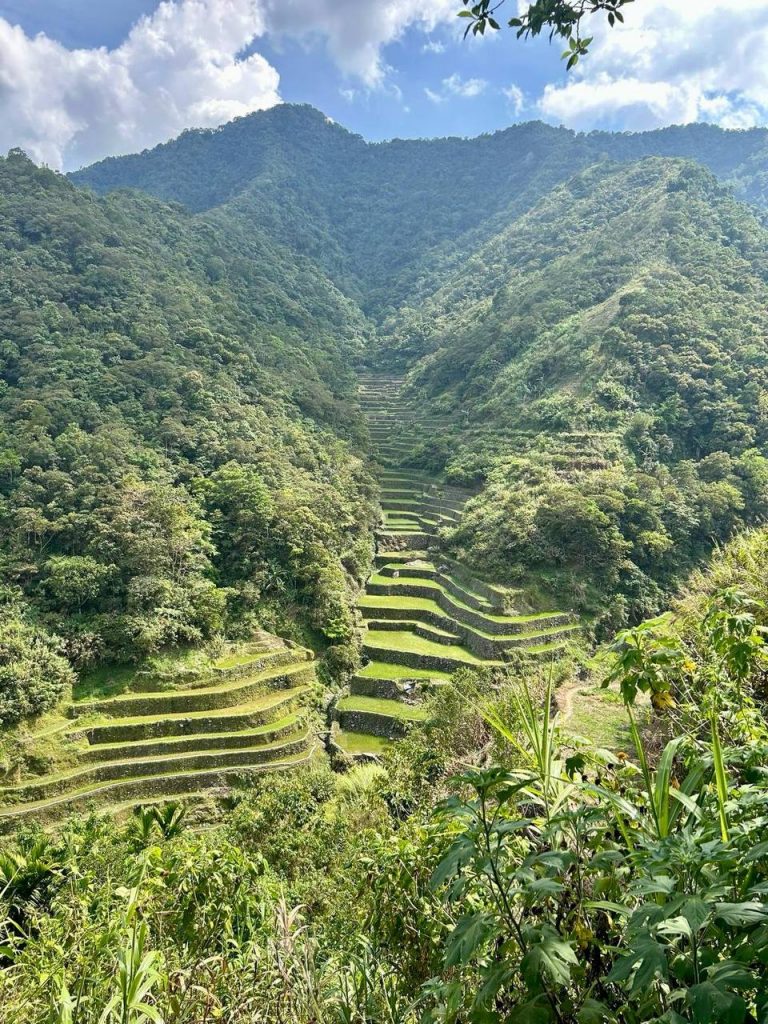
(33, 677)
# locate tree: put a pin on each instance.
(33, 677)
(76, 580)
(562, 18)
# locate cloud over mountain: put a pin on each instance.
(189, 63)
(672, 62)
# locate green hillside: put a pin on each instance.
(388, 220)
(383, 633)
(177, 426)
(600, 365)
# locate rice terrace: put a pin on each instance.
(383, 512)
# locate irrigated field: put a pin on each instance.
(425, 616)
(245, 714)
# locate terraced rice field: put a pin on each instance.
(246, 715)
(424, 615)
(132, 741)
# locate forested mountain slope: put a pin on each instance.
(386, 219)
(171, 404)
(603, 362)
(585, 312)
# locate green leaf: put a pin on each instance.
(497, 975)
(696, 912)
(594, 1012)
(709, 1004)
(610, 908)
(459, 855)
(544, 885)
(469, 935)
(551, 958)
(575, 763)
(757, 852)
(536, 1011)
(647, 962)
(742, 915)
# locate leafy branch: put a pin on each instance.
(562, 18)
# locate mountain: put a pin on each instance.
(585, 312)
(602, 366)
(172, 402)
(386, 219)
(560, 342)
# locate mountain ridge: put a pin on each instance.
(377, 215)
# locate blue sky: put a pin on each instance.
(81, 80)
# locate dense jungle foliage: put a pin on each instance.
(176, 434)
(551, 881)
(603, 360)
(583, 321)
(590, 332)
(387, 219)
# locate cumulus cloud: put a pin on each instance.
(672, 62)
(467, 87)
(515, 98)
(455, 85)
(176, 68)
(188, 64)
(355, 33)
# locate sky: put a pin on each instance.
(80, 79)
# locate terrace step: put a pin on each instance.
(268, 733)
(386, 670)
(405, 648)
(425, 615)
(384, 689)
(51, 787)
(376, 716)
(259, 711)
(125, 792)
(439, 610)
(466, 589)
(283, 672)
(428, 632)
(431, 582)
(360, 745)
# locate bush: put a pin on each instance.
(33, 677)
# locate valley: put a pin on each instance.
(383, 574)
(423, 614)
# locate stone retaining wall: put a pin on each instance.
(135, 769)
(139, 789)
(414, 660)
(372, 723)
(191, 700)
(202, 741)
(181, 726)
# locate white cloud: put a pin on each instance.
(466, 87)
(180, 67)
(455, 85)
(355, 33)
(515, 97)
(672, 62)
(433, 46)
(176, 68)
